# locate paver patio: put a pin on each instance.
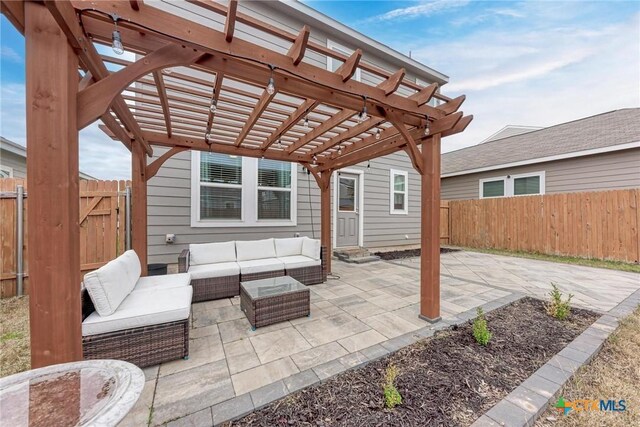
(351, 317)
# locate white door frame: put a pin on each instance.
(360, 174)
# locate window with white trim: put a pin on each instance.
(525, 184)
(235, 191)
(399, 192)
(333, 64)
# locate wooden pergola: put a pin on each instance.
(194, 87)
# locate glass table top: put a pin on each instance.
(272, 286)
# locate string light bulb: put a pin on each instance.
(271, 86)
(378, 134)
(368, 164)
(339, 149)
(279, 143)
(315, 160)
(116, 38)
(207, 137)
(426, 127)
(363, 114)
(306, 122)
(214, 105)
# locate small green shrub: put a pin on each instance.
(557, 307)
(480, 331)
(392, 397)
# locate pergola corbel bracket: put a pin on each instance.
(153, 167)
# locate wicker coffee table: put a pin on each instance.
(273, 300)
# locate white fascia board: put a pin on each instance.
(563, 156)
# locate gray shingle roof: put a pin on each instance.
(604, 130)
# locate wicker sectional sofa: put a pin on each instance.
(142, 320)
(217, 269)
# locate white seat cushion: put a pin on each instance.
(298, 261)
(163, 281)
(214, 270)
(289, 247)
(212, 253)
(255, 249)
(109, 285)
(260, 265)
(311, 248)
(143, 308)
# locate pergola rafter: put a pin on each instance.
(198, 88)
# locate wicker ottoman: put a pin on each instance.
(273, 300)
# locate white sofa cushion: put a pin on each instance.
(311, 248)
(212, 253)
(143, 308)
(255, 249)
(162, 282)
(289, 247)
(260, 265)
(220, 269)
(298, 261)
(109, 285)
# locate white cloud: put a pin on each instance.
(8, 53)
(100, 156)
(539, 75)
(423, 8)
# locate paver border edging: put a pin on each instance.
(240, 406)
(524, 405)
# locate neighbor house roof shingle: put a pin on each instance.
(604, 130)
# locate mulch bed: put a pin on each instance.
(448, 379)
(408, 253)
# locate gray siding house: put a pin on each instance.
(601, 152)
(208, 197)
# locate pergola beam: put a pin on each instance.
(393, 82)
(349, 67)
(286, 125)
(262, 104)
(321, 129)
(162, 93)
(14, 11)
(230, 22)
(65, 16)
(297, 50)
(426, 93)
(117, 130)
(351, 133)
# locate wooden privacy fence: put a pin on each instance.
(445, 223)
(600, 224)
(102, 228)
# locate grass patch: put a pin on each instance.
(587, 262)
(613, 374)
(15, 355)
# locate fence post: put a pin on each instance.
(20, 240)
(127, 217)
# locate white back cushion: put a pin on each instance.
(109, 285)
(212, 253)
(311, 248)
(255, 249)
(289, 247)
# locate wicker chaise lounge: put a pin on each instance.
(216, 269)
(142, 320)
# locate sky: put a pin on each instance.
(531, 63)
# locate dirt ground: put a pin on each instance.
(15, 355)
(613, 374)
(447, 380)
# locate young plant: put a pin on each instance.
(392, 396)
(480, 331)
(557, 307)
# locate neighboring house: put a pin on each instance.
(510, 130)
(13, 160)
(247, 198)
(601, 152)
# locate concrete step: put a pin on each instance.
(356, 255)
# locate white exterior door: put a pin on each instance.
(347, 227)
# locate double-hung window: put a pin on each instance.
(399, 192)
(513, 185)
(235, 191)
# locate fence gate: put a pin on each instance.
(102, 228)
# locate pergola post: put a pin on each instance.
(139, 203)
(325, 216)
(54, 205)
(430, 231)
